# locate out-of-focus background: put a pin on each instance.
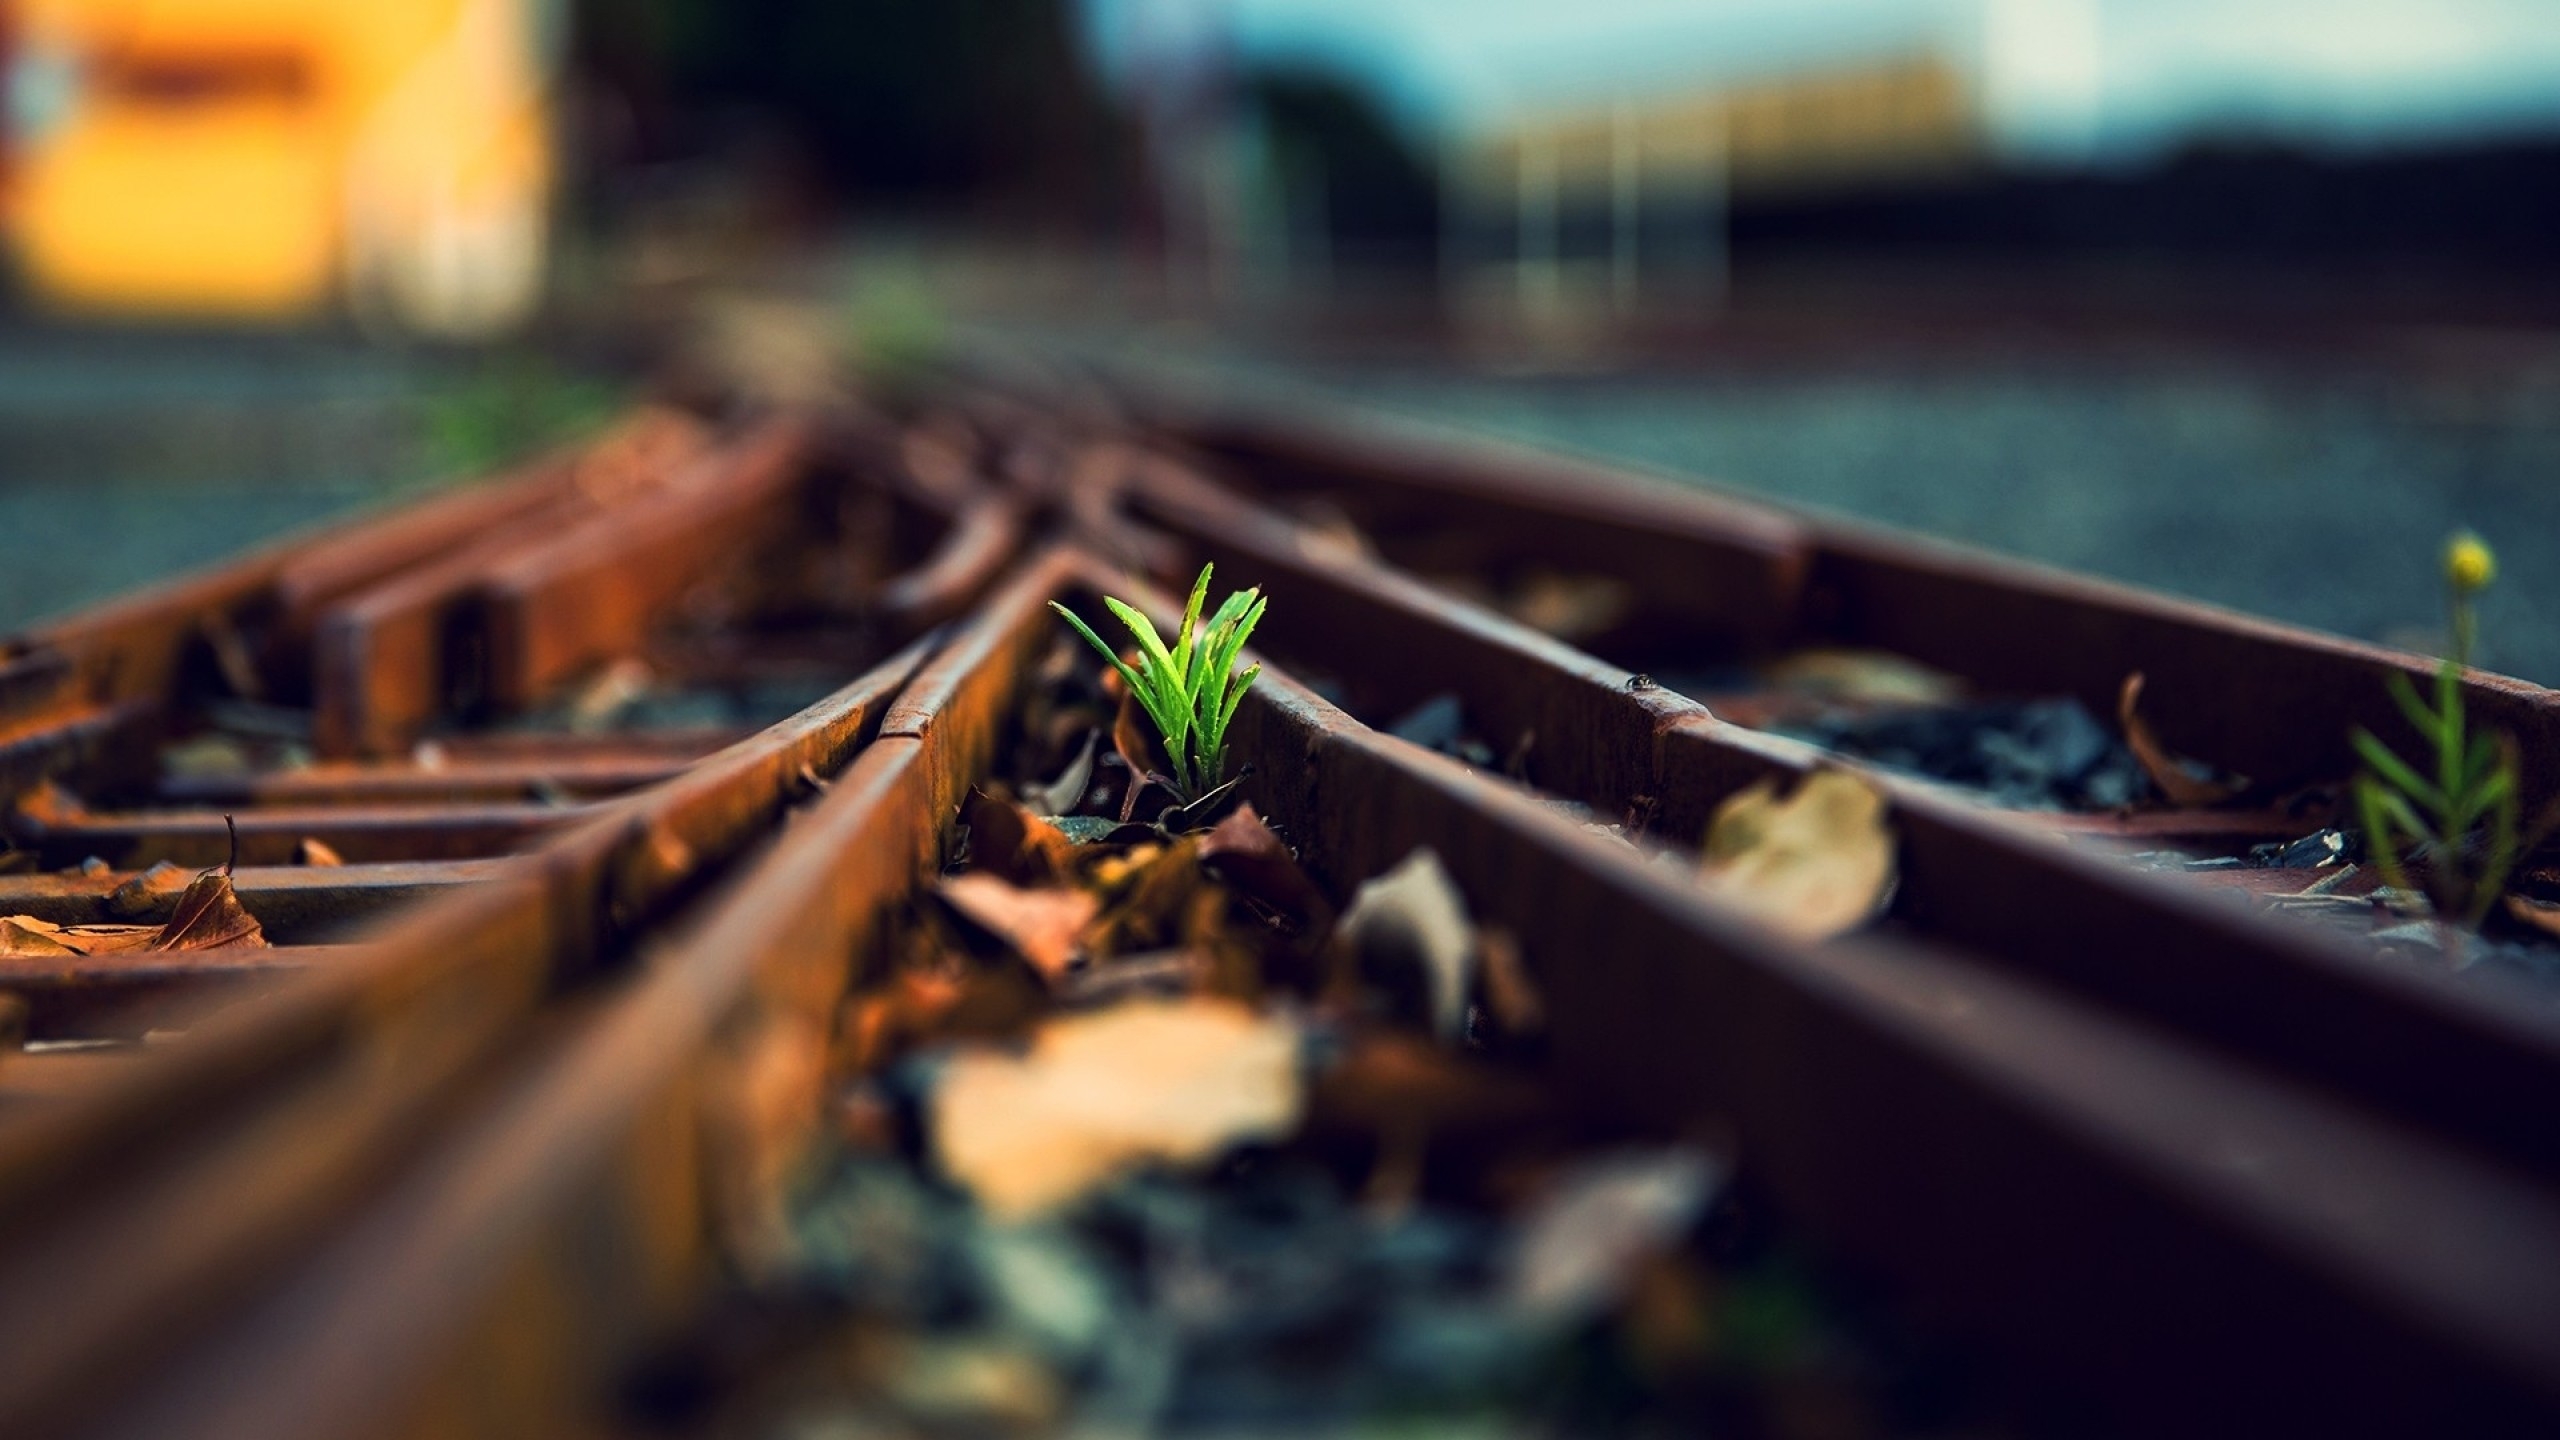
(2253, 300)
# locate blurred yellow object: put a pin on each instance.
(265, 158)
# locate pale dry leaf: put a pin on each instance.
(1043, 925)
(2189, 785)
(316, 853)
(1815, 864)
(1062, 795)
(2542, 915)
(26, 937)
(1165, 1081)
(143, 893)
(1571, 607)
(1410, 925)
(1864, 677)
(1014, 844)
(209, 916)
(1579, 1244)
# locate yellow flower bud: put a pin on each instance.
(2468, 564)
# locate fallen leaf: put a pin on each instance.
(927, 1005)
(2189, 784)
(209, 916)
(1062, 795)
(1171, 1081)
(1162, 901)
(1193, 814)
(1578, 1248)
(1012, 843)
(1247, 854)
(1816, 864)
(1511, 997)
(315, 852)
(2543, 915)
(1133, 736)
(24, 936)
(1863, 677)
(1044, 926)
(1407, 933)
(1571, 607)
(143, 893)
(47, 803)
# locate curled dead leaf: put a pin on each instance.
(209, 915)
(143, 893)
(1044, 926)
(1064, 794)
(1162, 901)
(26, 937)
(2542, 915)
(1014, 844)
(1580, 1245)
(2188, 784)
(1169, 1081)
(1248, 855)
(1406, 934)
(1570, 607)
(1815, 864)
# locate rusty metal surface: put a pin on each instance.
(2097, 1121)
(597, 590)
(295, 903)
(291, 1105)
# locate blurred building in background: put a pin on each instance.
(274, 159)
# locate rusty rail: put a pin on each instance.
(2225, 1172)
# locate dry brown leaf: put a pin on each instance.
(2188, 785)
(1134, 736)
(1045, 926)
(1863, 677)
(1511, 996)
(1159, 904)
(315, 852)
(1244, 851)
(1571, 607)
(1576, 1252)
(2542, 915)
(924, 1005)
(1814, 865)
(143, 893)
(1407, 934)
(1172, 1081)
(1012, 843)
(25, 937)
(208, 917)
(1062, 795)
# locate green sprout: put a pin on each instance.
(2475, 780)
(1190, 689)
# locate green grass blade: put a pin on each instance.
(2380, 846)
(1149, 642)
(2503, 846)
(1227, 713)
(1182, 644)
(2405, 695)
(2397, 771)
(1136, 687)
(1232, 644)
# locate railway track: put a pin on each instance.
(639, 759)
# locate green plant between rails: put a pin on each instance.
(1190, 689)
(2461, 821)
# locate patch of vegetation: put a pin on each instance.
(1189, 689)
(2454, 814)
(507, 405)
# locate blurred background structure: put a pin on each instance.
(2247, 298)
